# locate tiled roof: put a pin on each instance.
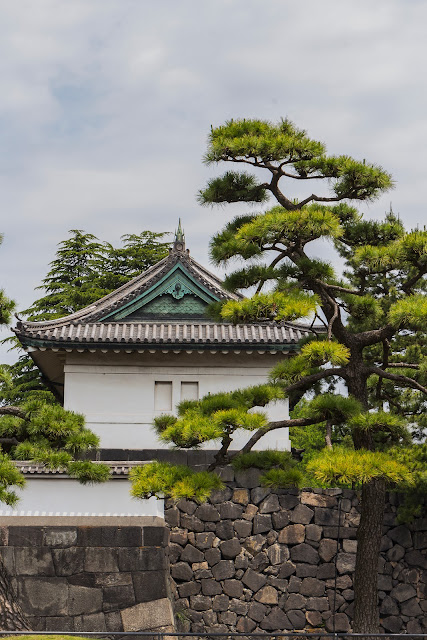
(117, 468)
(138, 334)
(134, 288)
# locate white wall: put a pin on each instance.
(55, 496)
(116, 391)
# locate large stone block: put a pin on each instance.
(292, 534)
(230, 510)
(25, 536)
(346, 562)
(262, 523)
(233, 588)
(192, 523)
(207, 513)
(142, 559)
(278, 554)
(44, 596)
(225, 530)
(401, 535)
(339, 623)
(301, 514)
(68, 561)
(312, 587)
(182, 571)
(58, 623)
(297, 619)
(403, 592)
(149, 585)
(243, 528)
(318, 499)
(249, 478)
(84, 600)
(60, 536)
(118, 597)
(112, 579)
(223, 570)
(123, 536)
(327, 517)
(270, 504)
(101, 560)
(304, 553)
(34, 561)
(210, 587)
(253, 580)
(327, 549)
(191, 554)
(276, 620)
(267, 595)
(230, 548)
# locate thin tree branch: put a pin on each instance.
(315, 377)
(13, 411)
(401, 380)
(280, 424)
(402, 365)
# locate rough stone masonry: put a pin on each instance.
(94, 576)
(256, 560)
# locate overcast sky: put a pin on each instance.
(105, 106)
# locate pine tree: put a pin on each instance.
(83, 271)
(374, 318)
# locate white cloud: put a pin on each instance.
(106, 106)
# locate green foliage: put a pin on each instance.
(175, 481)
(85, 270)
(232, 187)
(287, 227)
(386, 427)
(10, 476)
(275, 306)
(263, 460)
(6, 308)
(282, 478)
(330, 406)
(352, 468)
(410, 312)
(318, 353)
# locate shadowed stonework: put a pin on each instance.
(256, 560)
(90, 577)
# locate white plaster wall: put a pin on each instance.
(116, 394)
(58, 496)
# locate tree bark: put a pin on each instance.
(369, 534)
(12, 618)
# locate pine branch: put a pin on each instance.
(401, 380)
(402, 365)
(280, 424)
(13, 411)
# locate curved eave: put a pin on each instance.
(45, 345)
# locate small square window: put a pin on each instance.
(163, 396)
(189, 391)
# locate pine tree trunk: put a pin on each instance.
(12, 617)
(369, 534)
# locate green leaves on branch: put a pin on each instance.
(409, 313)
(289, 227)
(387, 427)
(352, 468)
(275, 306)
(6, 308)
(10, 476)
(232, 187)
(175, 481)
(216, 416)
(281, 470)
(409, 249)
(313, 355)
(329, 406)
(260, 140)
(224, 245)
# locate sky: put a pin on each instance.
(106, 105)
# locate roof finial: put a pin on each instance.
(179, 242)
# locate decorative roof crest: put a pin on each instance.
(179, 241)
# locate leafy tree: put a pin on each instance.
(83, 270)
(374, 318)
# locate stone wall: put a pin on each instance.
(255, 560)
(102, 574)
